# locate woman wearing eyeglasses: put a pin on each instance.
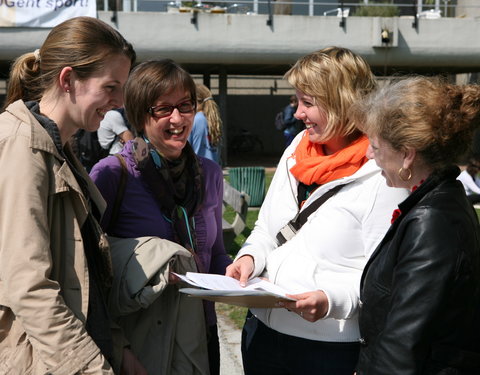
(175, 195)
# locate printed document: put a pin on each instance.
(257, 292)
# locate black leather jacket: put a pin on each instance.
(419, 309)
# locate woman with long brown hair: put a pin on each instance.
(55, 267)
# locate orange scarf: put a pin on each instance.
(313, 166)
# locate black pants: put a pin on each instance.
(213, 350)
(266, 351)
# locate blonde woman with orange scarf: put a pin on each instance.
(322, 263)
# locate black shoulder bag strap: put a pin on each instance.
(120, 192)
(294, 225)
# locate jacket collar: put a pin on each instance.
(42, 141)
(39, 139)
(430, 184)
(435, 179)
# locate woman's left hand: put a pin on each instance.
(311, 306)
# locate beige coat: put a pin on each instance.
(166, 329)
(43, 270)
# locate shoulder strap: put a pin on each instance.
(302, 216)
(120, 192)
(294, 225)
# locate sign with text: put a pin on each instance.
(43, 13)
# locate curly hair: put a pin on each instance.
(427, 114)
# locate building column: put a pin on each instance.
(206, 80)
(222, 100)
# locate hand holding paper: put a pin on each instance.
(241, 269)
(257, 292)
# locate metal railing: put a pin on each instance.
(418, 8)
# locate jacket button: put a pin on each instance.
(362, 341)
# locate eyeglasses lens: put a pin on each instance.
(166, 110)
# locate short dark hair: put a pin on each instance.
(150, 80)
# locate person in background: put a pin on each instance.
(322, 263)
(420, 291)
(114, 131)
(292, 125)
(55, 267)
(206, 135)
(176, 195)
(469, 179)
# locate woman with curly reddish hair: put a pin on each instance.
(420, 290)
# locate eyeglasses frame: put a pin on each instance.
(152, 113)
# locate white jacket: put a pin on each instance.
(328, 253)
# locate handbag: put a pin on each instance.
(294, 225)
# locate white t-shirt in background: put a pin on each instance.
(111, 126)
(472, 186)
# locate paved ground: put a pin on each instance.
(229, 335)
(230, 338)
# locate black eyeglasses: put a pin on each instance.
(160, 111)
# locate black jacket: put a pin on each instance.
(419, 309)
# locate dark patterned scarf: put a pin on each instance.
(178, 188)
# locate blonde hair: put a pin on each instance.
(435, 118)
(83, 43)
(207, 105)
(336, 78)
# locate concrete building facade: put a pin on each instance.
(243, 56)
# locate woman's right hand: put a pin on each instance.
(241, 269)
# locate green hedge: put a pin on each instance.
(377, 10)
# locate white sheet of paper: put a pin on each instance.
(220, 282)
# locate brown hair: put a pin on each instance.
(336, 78)
(435, 118)
(207, 105)
(83, 43)
(150, 80)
